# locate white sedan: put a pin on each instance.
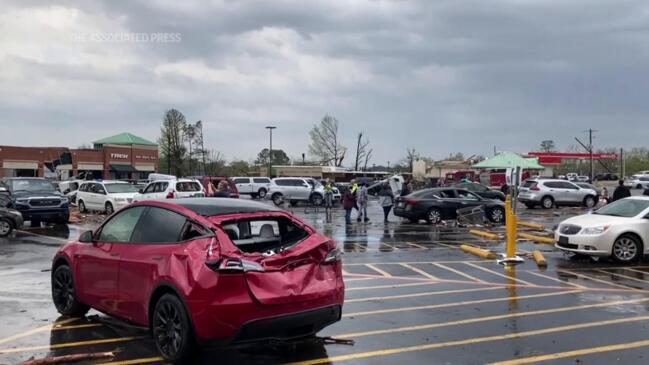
(619, 230)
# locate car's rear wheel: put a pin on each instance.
(497, 215)
(82, 207)
(434, 216)
(262, 193)
(316, 199)
(6, 227)
(172, 330)
(109, 208)
(639, 186)
(627, 248)
(589, 201)
(278, 199)
(63, 294)
(547, 202)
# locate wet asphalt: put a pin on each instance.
(412, 297)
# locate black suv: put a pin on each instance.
(37, 200)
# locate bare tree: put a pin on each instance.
(215, 162)
(361, 149)
(172, 149)
(200, 142)
(189, 134)
(411, 156)
(368, 156)
(325, 144)
(547, 145)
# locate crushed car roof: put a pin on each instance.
(220, 206)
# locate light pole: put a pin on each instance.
(270, 151)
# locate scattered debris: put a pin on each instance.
(69, 358)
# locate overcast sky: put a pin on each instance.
(439, 76)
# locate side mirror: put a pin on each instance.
(141, 191)
(86, 237)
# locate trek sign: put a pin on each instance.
(119, 156)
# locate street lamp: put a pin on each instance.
(270, 151)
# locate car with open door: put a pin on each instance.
(200, 270)
(438, 204)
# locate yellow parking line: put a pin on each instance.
(385, 274)
(499, 274)
(469, 341)
(390, 286)
(43, 236)
(557, 280)
(622, 276)
(416, 245)
(419, 271)
(361, 279)
(390, 246)
(144, 360)
(411, 262)
(570, 272)
(488, 318)
(424, 294)
(442, 266)
(36, 330)
(447, 245)
(445, 305)
(69, 344)
(573, 353)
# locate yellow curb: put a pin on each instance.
(531, 225)
(484, 234)
(540, 260)
(535, 238)
(478, 252)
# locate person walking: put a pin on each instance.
(363, 198)
(605, 196)
(329, 194)
(386, 200)
(621, 192)
(406, 188)
(348, 205)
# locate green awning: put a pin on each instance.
(122, 168)
(509, 160)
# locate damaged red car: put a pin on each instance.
(197, 270)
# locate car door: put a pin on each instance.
(91, 197)
(244, 185)
(449, 203)
(147, 193)
(570, 192)
(97, 264)
(153, 249)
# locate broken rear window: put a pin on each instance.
(266, 235)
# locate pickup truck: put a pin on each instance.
(257, 187)
(37, 200)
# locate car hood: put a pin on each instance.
(595, 220)
(40, 194)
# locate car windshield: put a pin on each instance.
(120, 188)
(624, 208)
(31, 185)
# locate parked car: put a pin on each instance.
(555, 192)
(607, 177)
(337, 196)
(10, 219)
(37, 200)
(438, 204)
(619, 230)
(585, 185)
(257, 187)
(582, 178)
(638, 182)
(69, 188)
(203, 269)
(572, 176)
(296, 189)
(562, 177)
(171, 189)
(105, 196)
(482, 190)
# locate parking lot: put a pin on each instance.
(411, 297)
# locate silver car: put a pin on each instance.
(294, 190)
(554, 192)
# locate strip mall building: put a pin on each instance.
(123, 156)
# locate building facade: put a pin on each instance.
(123, 156)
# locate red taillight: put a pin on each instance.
(411, 202)
(170, 195)
(535, 187)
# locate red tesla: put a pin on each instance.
(201, 269)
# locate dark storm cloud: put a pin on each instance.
(440, 76)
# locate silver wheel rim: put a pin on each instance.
(262, 193)
(4, 228)
(277, 199)
(625, 249)
(109, 208)
(433, 216)
(82, 207)
(547, 203)
(590, 202)
(497, 215)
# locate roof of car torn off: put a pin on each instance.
(221, 206)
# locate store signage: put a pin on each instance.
(119, 156)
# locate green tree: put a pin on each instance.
(547, 145)
(279, 157)
(172, 148)
(239, 168)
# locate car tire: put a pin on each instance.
(639, 186)
(293, 203)
(278, 199)
(316, 199)
(82, 207)
(64, 294)
(589, 201)
(434, 216)
(63, 219)
(6, 227)
(627, 248)
(172, 330)
(109, 208)
(530, 206)
(547, 202)
(497, 215)
(262, 193)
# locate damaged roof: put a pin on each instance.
(220, 206)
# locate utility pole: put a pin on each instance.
(270, 151)
(590, 150)
(622, 167)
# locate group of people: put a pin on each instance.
(356, 197)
